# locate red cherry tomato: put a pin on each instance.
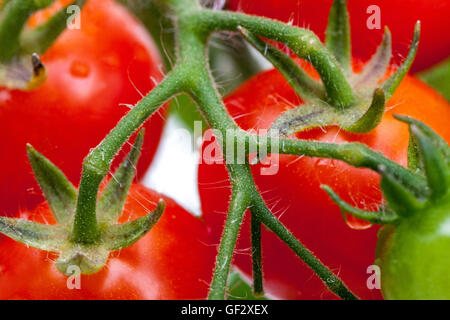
(93, 73)
(172, 261)
(294, 195)
(399, 15)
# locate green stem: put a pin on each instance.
(191, 75)
(355, 154)
(14, 16)
(39, 39)
(85, 227)
(304, 43)
(337, 38)
(258, 286)
(203, 91)
(238, 205)
(96, 165)
(243, 185)
(329, 279)
(300, 81)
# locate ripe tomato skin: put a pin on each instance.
(294, 193)
(413, 255)
(399, 15)
(91, 72)
(172, 261)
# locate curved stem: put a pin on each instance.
(14, 16)
(329, 279)
(337, 37)
(206, 96)
(304, 43)
(238, 205)
(39, 39)
(96, 164)
(300, 81)
(191, 75)
(355, 154)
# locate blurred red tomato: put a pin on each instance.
(94, 75)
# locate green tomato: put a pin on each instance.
(414, 255)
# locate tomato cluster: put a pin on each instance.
(150, 269)
(95, 74)
(294, 194)
(93, 77)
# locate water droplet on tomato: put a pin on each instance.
(79, 69)
(357, 224)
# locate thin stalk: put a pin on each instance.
(304, 43)
(96, 165)
(355, 154)
(39, 39)
(205, 95)
(300, 81)
(329, 279)
(258, 286)
(238, 205)
(14, 16)
(191, 75)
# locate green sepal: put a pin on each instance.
(373, 115)
(13, 18)
(400, 199)
(60, 194)
(437, 140)
(305, 86)
(377, 66)
(391, 84)
(317, 113)
(111, 202)
(337, 38)
(40, 38)
(385, 216)
(120, 236)
(436, 167)
(87, 259)
(36, 235)
(313, 114)
(414, 161)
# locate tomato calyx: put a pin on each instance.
(429, 156)
(366, 112)
(415, 224)
(20, 47)
(62, 197)
(25, 73)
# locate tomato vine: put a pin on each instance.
(191, 75)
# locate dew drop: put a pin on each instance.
(357, 224)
